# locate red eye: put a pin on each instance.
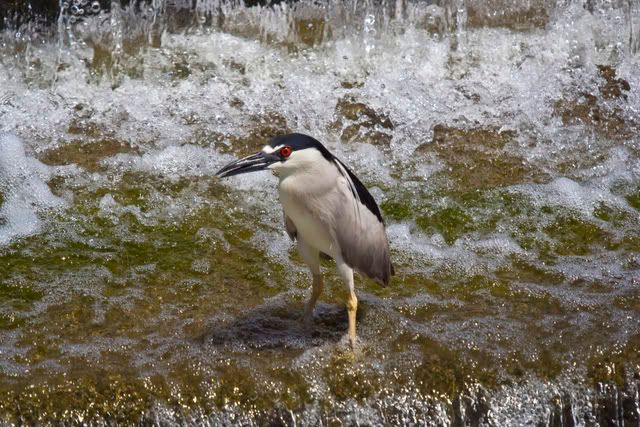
(285, 151)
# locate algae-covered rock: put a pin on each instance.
(478, 158)
(358, 122)
(597, 110)
(517, 16)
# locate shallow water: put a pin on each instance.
(502, 143)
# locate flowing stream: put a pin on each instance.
(501, 140)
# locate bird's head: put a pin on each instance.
(283, 155)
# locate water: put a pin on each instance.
(502, 143)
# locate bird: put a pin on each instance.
(327, 211)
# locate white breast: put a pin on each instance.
(304, 201)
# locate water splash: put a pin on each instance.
(25, 194)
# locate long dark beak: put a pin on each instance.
(255, 162)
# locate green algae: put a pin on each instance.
(444, 372)
(396, 209)
(614, 215)
(351, 380)
(634, 199)
(618, 364)
(20, 292)
(575, 236)
(10, 321)
(524, 271)
(452, 222)
(78, 396)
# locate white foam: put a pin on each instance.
(172, 162)
(568, 193)
(25, 191)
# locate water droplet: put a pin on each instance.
(369, 23)
(95, 7)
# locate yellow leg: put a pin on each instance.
(352, 307)
(317, 287)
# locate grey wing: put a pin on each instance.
(362, 238)
(290, 227)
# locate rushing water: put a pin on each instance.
(502, 143)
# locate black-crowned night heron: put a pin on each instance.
(327, 210)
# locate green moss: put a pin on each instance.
(19, 292)
(349, 380)
(544, 363)
(628, 302)
(403, 285)
(452, 222)
(444, 371)
(10, 321)
(575, 236)
(523, 271)
(634, 199)
(396, 210)
(613, 364)
(630, 242)
(76, 395)
(236, 385)
(617, 217)
(294, 391)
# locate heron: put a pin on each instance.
(327, 211)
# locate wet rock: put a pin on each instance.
(435, 20)
(591, 110)
(236, 66)
(522, 270)
(524, 16)
(477, 158)
(575, 236)
(115, 63)
(262, 127)
(612, 87)
(357, 122)
(86, 154)
(351, 84)
(311, 32)
(451, 222)
(586, 110)
(236, 103)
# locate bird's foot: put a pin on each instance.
(353, 342)
(351, 346)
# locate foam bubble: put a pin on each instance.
(24, 189)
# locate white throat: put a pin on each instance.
(299, 162)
